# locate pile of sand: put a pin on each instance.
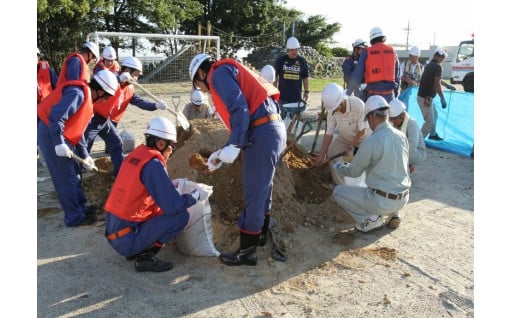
(298, 189)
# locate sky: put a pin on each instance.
(438, 23)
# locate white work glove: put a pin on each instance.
(161, 105)
(63, 150)
(229, 153)
(180, 184)
(89, 164)
(125, 77)
(338, 164)
(214, 162)
(199, 194)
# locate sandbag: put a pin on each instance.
(196, 239)
(128, 140)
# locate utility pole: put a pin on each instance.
(407, 40)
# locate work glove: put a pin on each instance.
(229, 153)
(161, 105)
(125, 77)
(451, 87)
(63, 150)
(180, 184)
(89, 164)
(338, 164)
(443, 102)
(199, 194)
(214, 162)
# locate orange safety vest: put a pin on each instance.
(126, 94)
(380, 63)
(85, 74)
(254, 87)
(44, 80)
(110, 107)
(129, 198)
(75, 125)
(115, 68)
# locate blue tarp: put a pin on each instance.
(455, 124)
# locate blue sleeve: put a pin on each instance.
(74, 69)
(72, 99)
(53, 77)
(357, 74)
(142, 103)
(159, 186)
(397, 75)
(224, 80)
(346, 69)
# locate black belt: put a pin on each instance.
(391, 195)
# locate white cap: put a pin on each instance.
(441, 52)
(414, 50)
(396, 107)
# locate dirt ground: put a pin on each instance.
(422, 269)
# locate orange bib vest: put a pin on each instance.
(380, 63)
(84, 74)
(115, 106)
(75, 125)
(115, 68)
(44, 80)
(129, 199)
(254, 87)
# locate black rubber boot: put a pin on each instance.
(264, 231)
(148, 262)
(246, 254)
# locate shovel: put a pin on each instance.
(82, 161)
(182, 120)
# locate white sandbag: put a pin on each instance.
(197, 237)
(128, 140)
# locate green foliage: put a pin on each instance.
(63, 25)
(318, 84)
(340, 52)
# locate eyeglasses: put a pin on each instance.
(170, 145)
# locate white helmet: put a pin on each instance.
(332, 95)
(108, 81)
(374, 102)
(414, 50)
(396, 107)
(195, 63)
(376, 32)
(197, 97)
(109, 53)
(132, 62)
(441, 52)
(359, 43)
(93, 47)
(292, 43)
(268, 73)
(38, 52)
(162, 128)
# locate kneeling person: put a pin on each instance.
(384, 156)
(144, 210)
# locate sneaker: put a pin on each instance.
(370, 225)
(394, 221)
(150, 263)
(435, 137)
